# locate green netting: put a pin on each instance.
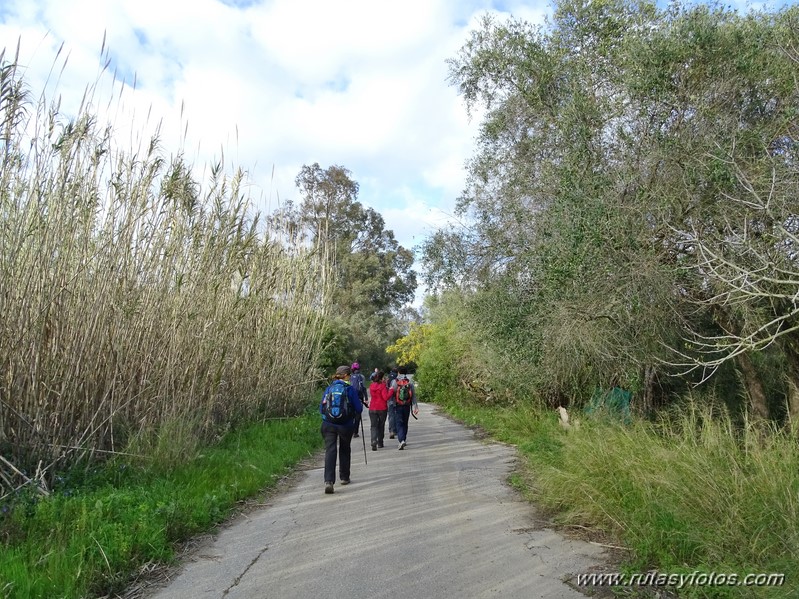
(614, 403)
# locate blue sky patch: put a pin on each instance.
(240, 3)
(339, 85)
(121, 69)
(141, 37)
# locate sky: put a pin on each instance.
(272, 85)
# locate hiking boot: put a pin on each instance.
(328, 488)
(380, 445)
(345, 481)
(401, 445)
(355, 435)
(391, 436)
(374, 446)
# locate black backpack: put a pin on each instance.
(336, 404)
(356, 380)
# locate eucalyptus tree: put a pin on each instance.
(373, 279)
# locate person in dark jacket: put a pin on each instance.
(402, 412)
(392, 420)
(339, 434)
(357, 381)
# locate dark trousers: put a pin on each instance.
(357, 428)
(378, 420)
(392, 419)
(402, 414)
(336, 435)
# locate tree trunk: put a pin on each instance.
(648, 394)
(751, 380)
(793, 406)
(754, 387)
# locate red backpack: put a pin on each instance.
(404, 393)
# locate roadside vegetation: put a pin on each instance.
(142, 313)
(104, 528)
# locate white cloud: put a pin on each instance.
(274, 85)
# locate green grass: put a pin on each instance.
(91, 535)
(692, 493)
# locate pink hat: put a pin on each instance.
(356, 366)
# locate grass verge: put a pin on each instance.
(92, 535)
(693, 493)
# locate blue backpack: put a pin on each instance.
(336, 404)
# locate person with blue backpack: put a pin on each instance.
(339, 408)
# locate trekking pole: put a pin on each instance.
(363, 438)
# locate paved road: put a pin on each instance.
(434, 520)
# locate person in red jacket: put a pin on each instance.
(378, 409)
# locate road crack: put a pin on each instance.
(247, 569)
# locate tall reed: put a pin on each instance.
(139, 310)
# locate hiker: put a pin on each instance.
(340, 405)
(392, 420)
(356, 380)
(404, 395)
(378, 409)
(374, 374)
